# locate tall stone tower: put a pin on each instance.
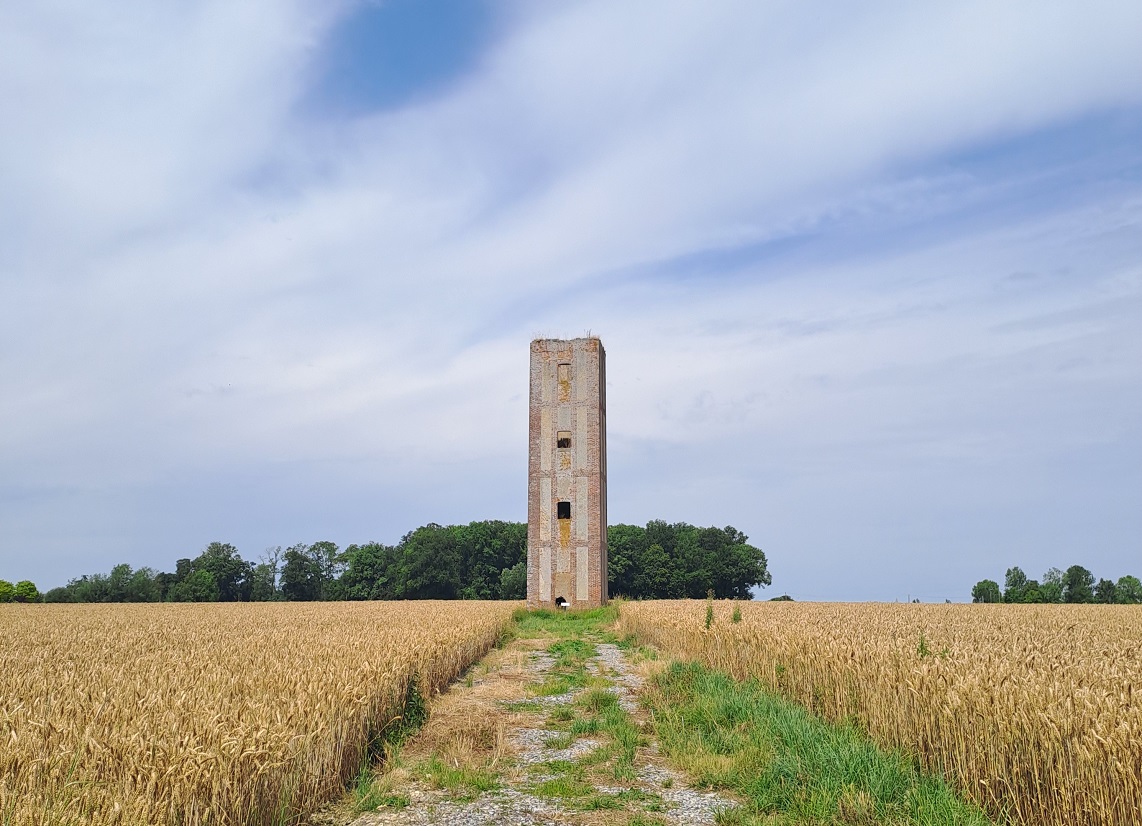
(567, 475)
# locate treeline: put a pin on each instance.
(663, 561)
(23, 591)
(1074, 585)
(481, 560)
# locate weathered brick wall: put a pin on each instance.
(567, 558)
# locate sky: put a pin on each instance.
(869, 276)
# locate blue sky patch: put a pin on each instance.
(387, 54)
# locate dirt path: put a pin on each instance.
(547, 730)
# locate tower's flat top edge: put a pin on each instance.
(563, 342)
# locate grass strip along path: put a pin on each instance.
(565, 723)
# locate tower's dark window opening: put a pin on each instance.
(563, 438)
(563, 510)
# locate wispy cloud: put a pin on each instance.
(868, 280)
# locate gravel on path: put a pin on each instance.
(530, 745)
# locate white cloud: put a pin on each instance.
(201, 286)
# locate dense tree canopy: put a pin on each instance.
(23, 591)
(481, 560)
(986, 590)
(680, 560)
(1076, 585)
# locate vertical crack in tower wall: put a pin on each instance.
(567, 474)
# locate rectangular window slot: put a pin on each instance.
(563, 438)
(563, 377)
(563, 510)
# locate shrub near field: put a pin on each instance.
(211, 714)
(1034, 711)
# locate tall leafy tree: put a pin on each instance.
(513, 582)
(430, 564)
(231, 573)
(986, 590)
(1052, 586)
(655, 578)
(370, 571)
(626, 545)
(264, 577)
(486, 549)
(1078, 585)
(1128, 590)
(331, 562)
(142, 586)
(1014, 585)
(198, 586)
(25, 591)
(302, 574)
(1105, 592)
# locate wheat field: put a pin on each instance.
(211, 714)
(1034, 711)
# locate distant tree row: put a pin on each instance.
(1074, 585)
(663, 561)
(23, 591)
(481, 560)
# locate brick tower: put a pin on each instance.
(567, 475)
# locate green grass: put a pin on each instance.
(534, 706)
(598, 700)
(575, 791)
(571, 768)
(557, 684)
(559, 742)
(646, 820)
(563, 787)
(585, 725)
(571, 653)
(465, 783)
(371, 800)
(569, 671)
(789, 766)
(561, 714)
(570, 624)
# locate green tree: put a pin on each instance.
(743, 568)
(7, 590)
(301, 575)
(986, 590)
(264, 577)
(1105, 592)
(513, 582)
(231, 573)
(1078, 585)
(116, 584)
(90, 588)
(486, 550)
(655, 576)
(429, 564)
(198, 586)
(25, 591)
(311, 572)
(143, 587)
(666, 560)
(370, 571)
(1014, 585)
(1128, 590)
(1052, 585)
(626, 545)
(332, 564)
(1032, 593)
(60, 594)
